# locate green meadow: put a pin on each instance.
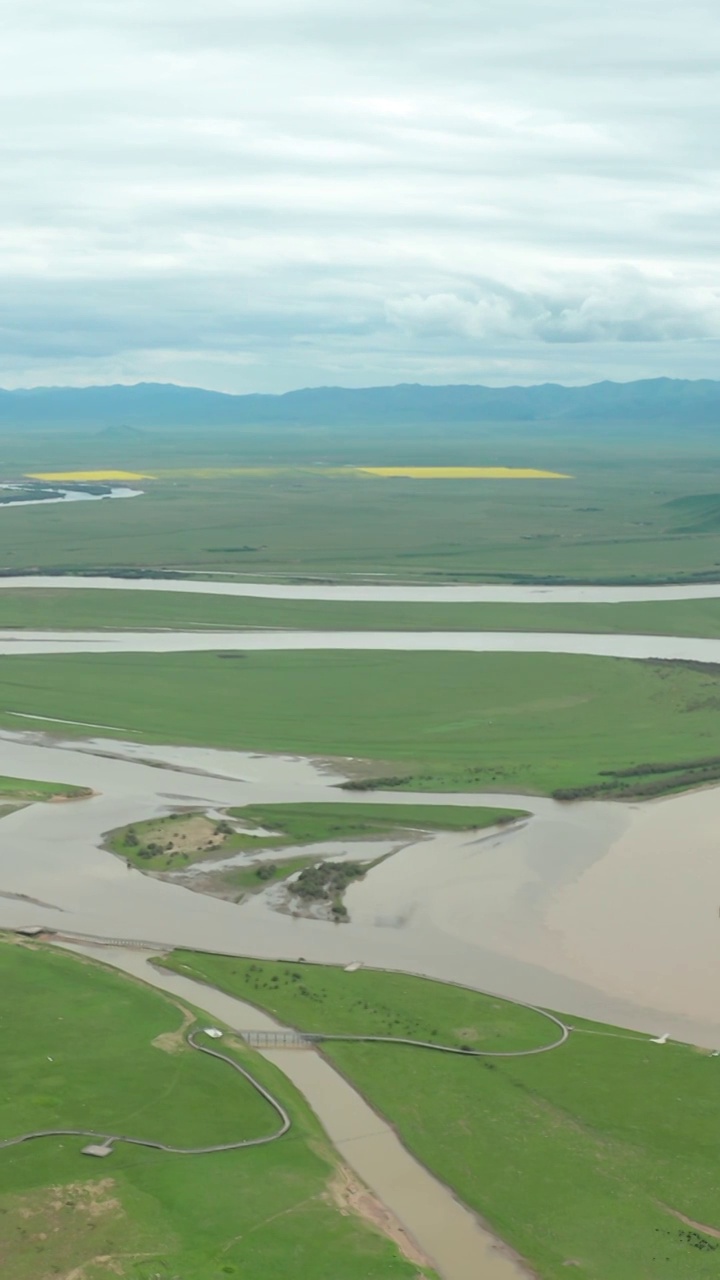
(629, 513)
(86, 1047)
(25, 790)
(427, 721)
(597, 1159)
(87, 609)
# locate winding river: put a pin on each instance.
(395, 593)
(607, 911)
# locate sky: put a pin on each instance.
(257, 195)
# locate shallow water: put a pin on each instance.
(607, 646)
(494, 911)
(385, 593)
(69, 495)
(444, 1229)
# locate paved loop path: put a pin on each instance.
(107, 1139)
(311, 1039)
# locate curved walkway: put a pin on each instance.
(108, 1139)
(286, 1123)
(464, 1052)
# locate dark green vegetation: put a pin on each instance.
(326, 882)
(587, 1159)
(642, 781)
(44, 609)
(174, 842)
(81, 1049)
(433, 720)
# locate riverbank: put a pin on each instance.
(414, 720)
(479, 909)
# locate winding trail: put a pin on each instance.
(108, 1139)
(312, 1039)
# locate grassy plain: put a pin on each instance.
(596, 1160)
(617, 518)
(62, 609)
(81, 1049)
(493, 722)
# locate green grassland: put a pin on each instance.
(62, 609)
(629, 513)
(81, 1050)
(310, 823)
(438, 721)
(295, 824)
(24, 790)
(581, 1158)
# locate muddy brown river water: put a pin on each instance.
(607, 911)
(444, 1232)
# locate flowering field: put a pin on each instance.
(81, 476)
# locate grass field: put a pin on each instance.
(81, 1049)
(22, 789)
(444, 721)
(80, 609)
(195, 838)
(596, 1160)
(617, 518)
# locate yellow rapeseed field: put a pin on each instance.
(465, 473)
(88, 475)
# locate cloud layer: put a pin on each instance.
(261, 194)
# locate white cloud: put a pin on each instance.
(621, 306)
(393, 186)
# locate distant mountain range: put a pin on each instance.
(148, 404)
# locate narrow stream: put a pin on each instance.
(443, 1229)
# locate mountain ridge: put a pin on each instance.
(688, 402)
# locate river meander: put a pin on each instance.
(608, 911)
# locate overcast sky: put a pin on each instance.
(256, 195)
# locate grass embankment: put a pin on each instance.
(436, 721)
(181, 840)
(582, 1158)
(81, 1049)
(24, 791)
(64, 609)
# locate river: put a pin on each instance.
(551, 912)
(67, 495)
(395, 593)
(669, 648)
(607, 911)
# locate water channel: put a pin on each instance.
(388, 593)
(443, 1231)
(608, 911)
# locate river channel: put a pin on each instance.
(442, 1230)
(607, 911)
(388, 593)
